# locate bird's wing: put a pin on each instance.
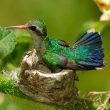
(55, 60)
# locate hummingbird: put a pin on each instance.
(86, 53)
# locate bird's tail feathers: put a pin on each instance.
(88, 50)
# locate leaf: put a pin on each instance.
(7, 42)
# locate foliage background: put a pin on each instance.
(65, 19)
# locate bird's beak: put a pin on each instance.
(18, 27)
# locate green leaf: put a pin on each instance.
(7, 42)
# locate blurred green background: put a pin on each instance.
(65, 19)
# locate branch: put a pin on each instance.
(98, 95)
(9, 86)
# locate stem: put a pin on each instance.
(104, 104)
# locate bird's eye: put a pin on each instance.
(33, 28)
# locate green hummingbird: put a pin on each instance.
(85, 54)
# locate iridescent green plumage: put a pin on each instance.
(54, 53)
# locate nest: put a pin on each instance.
(37, 82)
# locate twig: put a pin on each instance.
(102, 106)
(97, 93)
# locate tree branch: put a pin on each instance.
(9, 86)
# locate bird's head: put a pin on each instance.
(36, 26)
